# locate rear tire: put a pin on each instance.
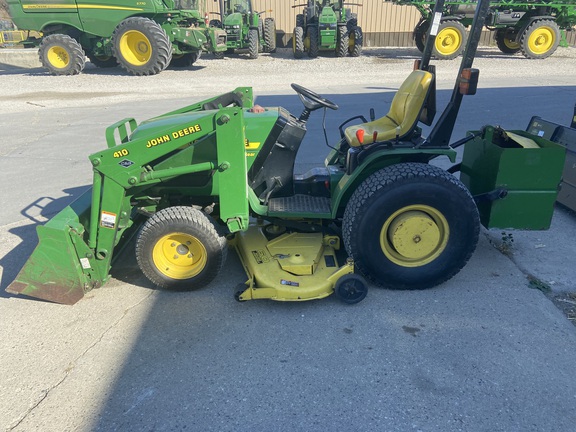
(61, 55)
(179, 248)
(355, 42)
(313, 38)
(419, 34)
(185, 60)
(269, 35)
(410, 226)
(540, 39)
(253, 43)
(141, 46)
(102, 61)
(505, 41)
(298, 42)
(450, 40)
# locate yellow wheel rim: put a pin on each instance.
(448, 41)
(135, 48)
(179, 256)
(414, 236)
(58, 57)
(541, 40)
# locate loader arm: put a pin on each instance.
(76, 247)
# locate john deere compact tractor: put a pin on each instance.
(245, 29)
(143, 37)
(219, 173)
(326, 26)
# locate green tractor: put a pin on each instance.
(245, 29)
(142, 37)
(326, 26)
(220, 172)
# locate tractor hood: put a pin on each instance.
(234, 19)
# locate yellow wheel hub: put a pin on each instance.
(414, 236)
(58, 57)
(135, 48)
(541, 40)
(448, 41)
(179, 256)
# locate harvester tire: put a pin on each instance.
(410, 226)
(141, 46)
(540, 39)
(342, 41)
(253, 43)
(61, 55)
(419, 34)
(450, 40)
(184, 60)
(298, 42)
(505, 41)
(313, 38)
(179, 248)
(269, 35)
(355, 41)
(102, 61)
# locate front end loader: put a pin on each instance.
(220, 172)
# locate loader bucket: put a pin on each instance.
(61, 269)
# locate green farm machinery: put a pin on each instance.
(192, 182)
(245, 29)
(143, 37)
(327, 26)
(535, 28)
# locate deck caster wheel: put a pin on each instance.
(240, 288)
(351, 288)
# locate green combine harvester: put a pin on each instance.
(192, 182)
(327, 26)
(143, 37)
(246, 31)
(536, 28)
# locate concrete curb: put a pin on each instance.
(19, 58)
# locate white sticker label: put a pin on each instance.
(85, 263)
(107, 220)
(435, 24)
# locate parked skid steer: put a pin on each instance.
(220, 171)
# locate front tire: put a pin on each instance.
(450, 40)
(269, 35)
(313, 38)
(253, 43)
(410, 226)
(342, 41)
(298, 42)
(179, 248)
(61, 55)
(141, 46)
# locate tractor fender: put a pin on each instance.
(377, 160)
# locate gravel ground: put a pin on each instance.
(24, 90)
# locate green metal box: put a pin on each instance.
(514, 177)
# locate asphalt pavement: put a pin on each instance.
(485, 351)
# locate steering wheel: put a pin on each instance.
(312, 101)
